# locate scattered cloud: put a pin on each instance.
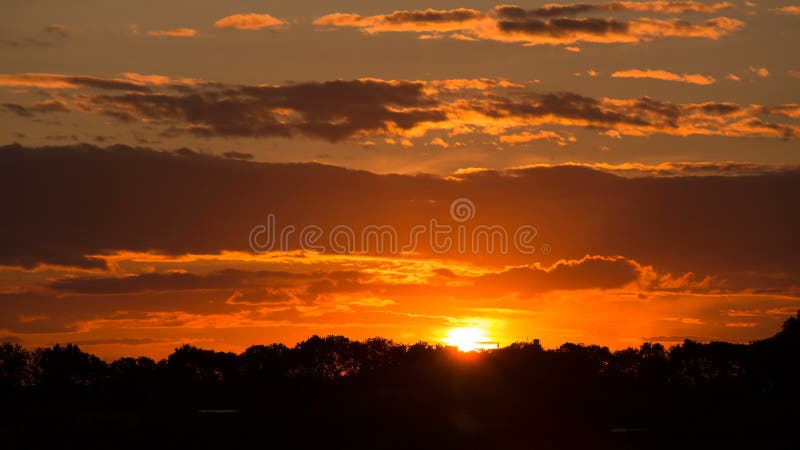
(658, 6)
(60, 81)
(46, 106)
(158, 80)
(429, 20)
(439, 142)
(175, 32)
(789, 10)
(402, 110)
(250, 22)
(48, 37)
(759, 71)
(684, 169)
(508, 23)
(691, 78)
(58, 31)
(542, 135)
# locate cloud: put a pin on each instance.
(429, 20)
(790, 10)
(439, 142)
(332, 110)
(58, 31)
(665, 7)
(590, 272)
(634, 117)
(508, 23)
(121, 341)
(526, 136)
(565, 31)
(759, 71)
(238, 155)
(59, 81)
(644, 217)
(158, 80)
(230, 298)
(49, 36)
(692, 78)
(222, 279)
(400, 110)
(168, 259)
(250, 22)
(47, 106)
(788, 110)
(683, 169)
(480, 84)
(175, 32)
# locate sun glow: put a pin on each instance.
(468, 339)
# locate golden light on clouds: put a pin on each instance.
(250, 22)
(646, 149)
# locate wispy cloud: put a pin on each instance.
(49, 36)
(791, 10)
(61, 81)
(508, 23)
(692, 78)
(174, 32)
(250, 21)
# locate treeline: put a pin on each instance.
(376, 393)
(328, 358)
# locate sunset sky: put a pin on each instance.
(653, 146)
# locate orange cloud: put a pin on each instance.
(515, 25)
(759, 71)
(439, 142)
(60, 81)
(457, 84)
(790, 10)
(401, 110)
(429, 20)
(788, 110)
(175, 32)
(692, 78)
(58, 30)
(158, 80)
(527, 136)
(657, 6)
(251, 22)
(196, 286)
(680, 169)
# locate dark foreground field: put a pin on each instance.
(335, 393)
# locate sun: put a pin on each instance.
(468, 339)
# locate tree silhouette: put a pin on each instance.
(335, 392)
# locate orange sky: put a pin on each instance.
(648, 149)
